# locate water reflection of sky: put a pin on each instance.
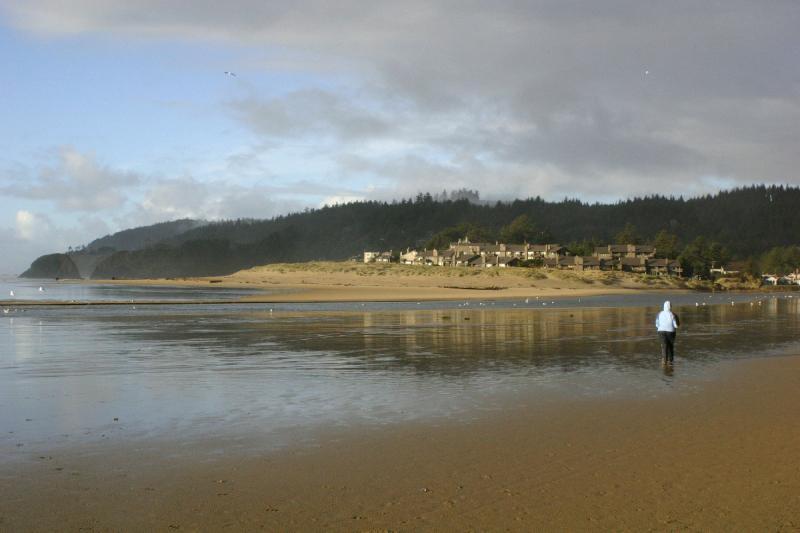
(66, 373)
(66, 291)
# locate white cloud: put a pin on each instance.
(188, 197)
(31, 226)
(341, 199)
(76, 181)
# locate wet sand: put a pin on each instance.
(719, 456)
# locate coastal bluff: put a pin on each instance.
(53, 266)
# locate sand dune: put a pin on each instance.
(332, 281)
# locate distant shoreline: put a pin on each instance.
(319, 282)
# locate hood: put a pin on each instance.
(667, 306)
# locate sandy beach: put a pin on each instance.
(347, 281)
(722, 456)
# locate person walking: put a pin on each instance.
(667, 325)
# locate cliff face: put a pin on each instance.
(53, 266)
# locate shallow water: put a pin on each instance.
(186, 371)
(70, 291)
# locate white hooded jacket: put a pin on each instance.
(665, 321)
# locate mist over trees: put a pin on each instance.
(743, 224)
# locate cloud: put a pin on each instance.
(31, 226)
(339, 199)
(35, 233)
(187, 197)
(611, 99)
(75, 182)
(310, 113)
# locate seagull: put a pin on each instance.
(5, 311)
(229, 73)
(11, 293)
(41, 289)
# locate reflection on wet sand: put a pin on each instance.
(212, 368)
(456, 341)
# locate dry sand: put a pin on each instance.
(346, 281)
(721, 457)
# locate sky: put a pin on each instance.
(116, 114)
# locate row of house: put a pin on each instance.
(775, 279)
(624, 257)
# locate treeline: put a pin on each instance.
(142, 237)
(741, 224)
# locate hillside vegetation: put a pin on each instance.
(739, 224)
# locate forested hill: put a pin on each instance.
(745, 222)
(142, 237)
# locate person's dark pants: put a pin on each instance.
(667, 345)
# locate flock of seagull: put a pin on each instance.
(11, 294)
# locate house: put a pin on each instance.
(664, 267)
(551, 262)
(466, 259)
(632, 264)
(369, 257)
(384, 257)
(544, 251)
(520, 251)
(409, 258)
(495, 249)
(721, 271)
(503, 262)
(463, 246)
(769, 279)
(435, 258)
(577, 262)
(618, 251)
(794, 277)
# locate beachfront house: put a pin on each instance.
(632, 264)
(378, 257)
(664, 267)
(409, 257)
(463, 246)
(544, 251)
(618, 251)
(578, 262)
(769, 279)
(626, 257)
(722, 271)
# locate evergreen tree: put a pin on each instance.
(666, 245)
(628, 235)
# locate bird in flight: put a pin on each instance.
(229, 73)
